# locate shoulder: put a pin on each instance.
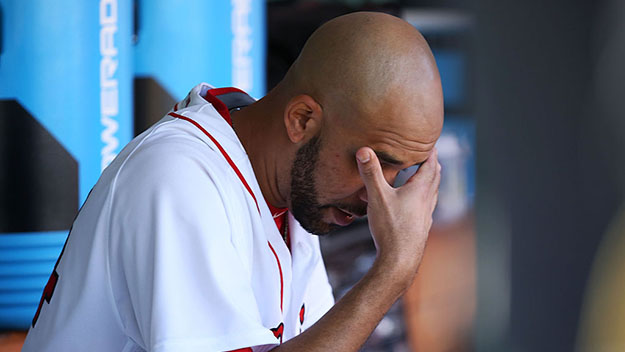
(173, 164)
(174, 149)
(173, 168)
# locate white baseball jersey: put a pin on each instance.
(175, 249)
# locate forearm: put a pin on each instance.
(350, 322)
(399, 220)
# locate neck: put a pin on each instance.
(262, 137)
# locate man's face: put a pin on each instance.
(305, 200)
(326, 188)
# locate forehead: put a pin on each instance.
(398, 146)
(401, 138)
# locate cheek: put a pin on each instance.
(337, 177)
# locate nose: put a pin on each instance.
(362, 194)
(390, 176)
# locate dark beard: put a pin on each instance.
(304, 204)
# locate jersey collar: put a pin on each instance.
(226, 99)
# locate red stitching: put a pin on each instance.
(279, 268)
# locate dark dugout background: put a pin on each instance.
(549, 109)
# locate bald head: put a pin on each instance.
(363, 79)
(357, 64)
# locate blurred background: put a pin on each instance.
(526, 252)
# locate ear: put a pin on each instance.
(302, 118)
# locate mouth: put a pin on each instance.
(342, 217)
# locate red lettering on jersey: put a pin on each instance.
(278, 331)
(301, 314)
(247, 349)
(47, 294)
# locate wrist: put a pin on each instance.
(398, 270)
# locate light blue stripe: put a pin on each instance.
(25, 255)
(22, 298)
(33, 239)
(23, 283)
(26, 268)
(18, 317)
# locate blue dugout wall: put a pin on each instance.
(218, 42)
(178, 46)
(66, 107)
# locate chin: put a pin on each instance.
(322, 229)
(316, 225)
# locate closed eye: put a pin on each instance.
(388, 158)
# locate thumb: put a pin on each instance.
(371, 172)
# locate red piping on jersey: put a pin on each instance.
(222, 109)
(223, 152)
(279, 267)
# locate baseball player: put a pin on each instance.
(197, 237)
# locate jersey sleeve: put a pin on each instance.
(177, 279)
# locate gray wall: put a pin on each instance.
(549, 156)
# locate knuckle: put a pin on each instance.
(369, 172)
(370, 168)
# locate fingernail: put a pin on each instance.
(363, 156)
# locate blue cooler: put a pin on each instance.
(65, 113)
